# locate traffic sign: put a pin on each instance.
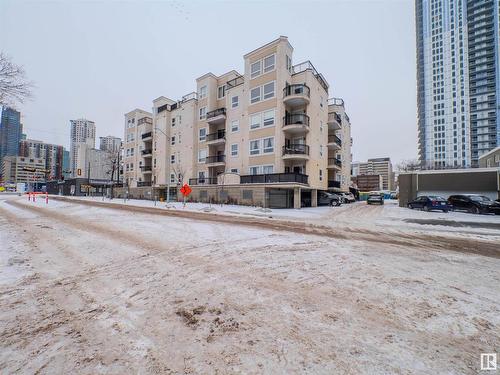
(186, 190)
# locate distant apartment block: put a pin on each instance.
(379, 166)
(458, 80)
(18, 169)
(11, 131)
(95, 164)
(110, 143)
(82, 132)
(50, 153)
(368, 182)
(268, 136)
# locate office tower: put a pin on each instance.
(11, 131)
(110, 144)
(82, 132)
(458, 101)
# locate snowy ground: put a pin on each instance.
(354, 289)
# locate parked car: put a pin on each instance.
(394, 195)
(375, 198)
(474, 203)
(330, 199)
(430, 203)
(347, 197)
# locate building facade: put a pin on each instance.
(270, 132)
(50, 153)
(82, 132)
(20, 169)
(379, 166)
(95, 164)
(457, 81)
(490, 159)
(11, 131)
(110, 143)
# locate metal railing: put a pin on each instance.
(215, 159)
(191, 95)
(147, 151)
(295, 149)
(332, 138)
(203, 181)
(144, 183)
(297, 89)
(221, 134)
(334, 116)
(235, 82)
(146, 168)
(334, 184)
(216, 112)
(336, 101)
(145, 120)
(273, 178)
(294, 119)
(335, 161)
(147, 135)
(307, 65)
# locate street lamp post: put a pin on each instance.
(166, 163)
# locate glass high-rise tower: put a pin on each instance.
(11, 131)
(458, 80)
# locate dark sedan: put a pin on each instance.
(430, 203)
(474, 203)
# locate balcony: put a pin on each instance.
(147, 136)
(203, 181)
(334, 184)
(215, 160)
(147, 169)
(216, 138)
(296, 123)
(274, 178)
(307, 65)
(143, 183)
(147, 153)
(334, 121)
(334, 142)
(145, 120)
(296, 95)
(235, 82)
(334, 163)
(295, 152)
(217, 116)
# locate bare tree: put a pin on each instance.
(409, 166)
(14, 87)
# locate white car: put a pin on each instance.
(347, 197)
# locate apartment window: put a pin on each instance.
(202, 155)
(255, 147)
(267, 169)
(288, 63)
(235, 126)
(234, 149)
(172, 178)
(321, 101)
(255, 69)
(203, 92)
(234, 170)
(131, 166)
(268, 145)
(255, 121)
(173, 121)
(321, 175)
(235, 101)
(268, 118)
(255, 95)
(179, 138)
(132, 151)
(203, 134)
(172, 140)
(320, 150)
(269, 63)
(172, 159)
(254, 170)
(221, 92)
(269, 90)
(203, 113)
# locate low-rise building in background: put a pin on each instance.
(378, 166)
(490, 159)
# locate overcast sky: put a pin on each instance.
(101, 59)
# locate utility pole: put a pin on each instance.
(88, 181)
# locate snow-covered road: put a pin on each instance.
(86, 289)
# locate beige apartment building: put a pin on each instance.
(379, 166)
(267, 137)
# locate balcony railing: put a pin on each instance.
(307, 65)
(334, 139)
(336, 101)
(216, 112)
(147, 120)
(215, 159)
(203, 181)
(143, 183)
(299, 89)
(191, 95)
(335, 161)
(295, 119)
(335, 116)
(334, 184)
(274, 178)
(147, 135)
(221, 134)
(235, 82)
(295, 149)
(146, 168)
(147, 152)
